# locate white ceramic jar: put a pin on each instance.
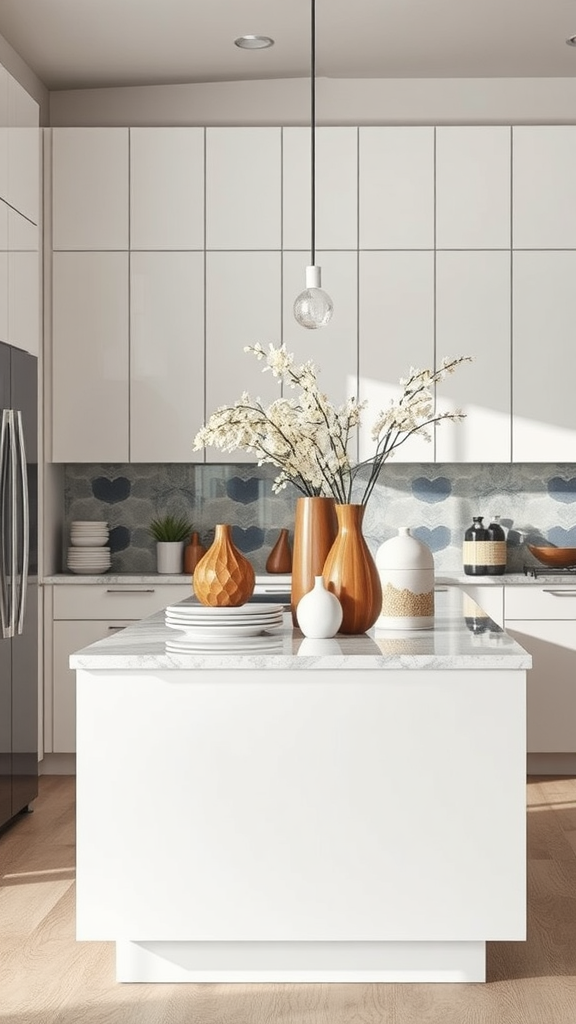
(406, 568)
(319, 612)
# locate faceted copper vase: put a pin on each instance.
(350, 572)
(223, 578)
(315, 529)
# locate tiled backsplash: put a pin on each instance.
(436, 501)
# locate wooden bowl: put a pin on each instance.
(560, 558)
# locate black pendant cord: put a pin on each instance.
(313, 135)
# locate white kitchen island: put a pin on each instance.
(344, 810)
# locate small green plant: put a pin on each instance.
(170, 528)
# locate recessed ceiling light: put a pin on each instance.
(254, 42)
(571, 41)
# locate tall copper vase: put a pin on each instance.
(315, 529)
(350, 572)
(223, 578)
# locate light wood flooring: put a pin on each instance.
(46, 977)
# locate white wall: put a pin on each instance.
(13, 63)
(339, 101)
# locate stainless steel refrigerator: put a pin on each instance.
(18, 581)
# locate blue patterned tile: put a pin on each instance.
(562, 490)
(561, 538)
(431, 490)
(248, 540)
(244, 491)
(111, 491)
(435, 539)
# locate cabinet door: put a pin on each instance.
(166, 355)
(3, 271)
(551, 683)
(543, 357)
(90, 357)
(396, 188)
(243, 188)
(24, 301)
(338, 377)
(90, 188)
(4, 76)
(473, 319)
(336, 188)
(70, 636)
(166, 188)
(473, 188)
(243, 306)
(23, 152)
(396, 317)
(544, 171)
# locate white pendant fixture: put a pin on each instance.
(313, 308)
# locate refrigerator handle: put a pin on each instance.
(4, 590)
(25, 525)
(13, 465)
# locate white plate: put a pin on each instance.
(214, 621)
(228, 644)
(225, 631)
(88, 570)
(201, 611)
(89, 522)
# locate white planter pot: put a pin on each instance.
(169, 556)
(319, 612)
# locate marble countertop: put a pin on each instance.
(442, 579)
(449, 645)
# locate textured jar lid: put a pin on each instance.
(404, 552)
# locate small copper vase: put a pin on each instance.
(280, 557)
(315, 529)
(223, 578)
(193, 552)
(350, 572)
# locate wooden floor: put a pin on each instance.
(46, 977)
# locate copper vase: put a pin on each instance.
(350, 572)
(193, 552)
(223, 578)
(315, 529)
(280, 557)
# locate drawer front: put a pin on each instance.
(121, 601)
(544, 602)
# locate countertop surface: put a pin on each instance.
(442, 579)
(449, 645)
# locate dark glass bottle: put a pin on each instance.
(474, 549)
(496, 551)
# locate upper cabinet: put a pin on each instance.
(336, 174)
(243, 188)
(90, 188)
(396, 188)
(166, 188)
(23, 152)
(544, 173)
(473, 188)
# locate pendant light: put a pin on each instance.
(313, 308)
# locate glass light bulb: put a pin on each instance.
(313, 308)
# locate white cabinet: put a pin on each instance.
(166, 355)
(396, 319)
(544, 171)
(4, 77)
(23, 152)
(333, 349)
(82, 615)
(90, 371)
(90, 188)
(543, 620)
(473, 318)
(243, 306)
(243, 188)
(166, 188)
(544, 357)
(336, 175)
(473, 187)
(396, 188)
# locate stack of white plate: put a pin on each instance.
(88, 552)
(248, 627)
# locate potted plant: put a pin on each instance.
(170, 532)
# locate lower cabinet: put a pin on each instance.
(542, 620)
(82, 615)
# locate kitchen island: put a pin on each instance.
(342, 810)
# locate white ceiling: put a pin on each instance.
(93, 43)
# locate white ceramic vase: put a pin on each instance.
(319, 612)
(169, 556)
(406, 568)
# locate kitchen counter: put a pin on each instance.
(350, 814)
(441, 579)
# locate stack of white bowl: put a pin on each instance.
(88, 552)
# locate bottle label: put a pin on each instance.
(484, 552)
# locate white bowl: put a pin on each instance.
(89, 542)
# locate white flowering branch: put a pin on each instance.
(307, 438)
